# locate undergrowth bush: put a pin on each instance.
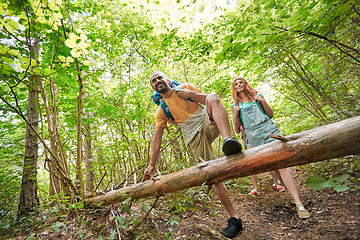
(335, 173)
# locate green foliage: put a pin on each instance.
(240, 184)
(332, 169)
(31, 237)
(56, 226)
(302, 55)
(221, 86)
(318, 183)
(292, 54)
(169, 234)
(11, 156)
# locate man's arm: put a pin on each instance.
(155, 150)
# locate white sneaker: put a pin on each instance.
(302, 212)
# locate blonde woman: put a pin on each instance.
(252, 116)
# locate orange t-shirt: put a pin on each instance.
(177, 107)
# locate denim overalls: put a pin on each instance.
(257, 125)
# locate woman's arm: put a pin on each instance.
(236, 118)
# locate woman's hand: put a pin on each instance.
(236, 108)
(258, 98)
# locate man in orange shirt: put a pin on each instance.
(200, 127)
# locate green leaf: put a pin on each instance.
(106, 109)
(340, 188)
(127, 209)
(316, 182)
(313, 4)
(48, 71)
(140, 236)
(341, 178)
(112, 235)
(81, 221)
(12, 26)
(6, 226)
(31, 237)
(57, 226)
(122, 222)
(271, 4)
(14, 52)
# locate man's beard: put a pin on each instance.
(164, 89)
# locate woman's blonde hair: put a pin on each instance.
(249, 91)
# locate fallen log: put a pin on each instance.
(327, 142)
(207, 231)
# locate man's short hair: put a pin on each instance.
(156, 74)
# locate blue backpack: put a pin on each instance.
(158, 99)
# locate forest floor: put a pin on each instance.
(270, 215)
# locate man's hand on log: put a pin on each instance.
(148, 174)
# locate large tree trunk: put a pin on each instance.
(28, 199)
(79, 153)
(89, 170)
(322, 143)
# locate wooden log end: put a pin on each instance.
(209, 231)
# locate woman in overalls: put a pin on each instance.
(252, 116)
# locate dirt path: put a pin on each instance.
(270, 215)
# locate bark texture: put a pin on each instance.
(89, 170)
(322, 143)
(28, 199)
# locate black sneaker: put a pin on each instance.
(231, 146)
(233, 228)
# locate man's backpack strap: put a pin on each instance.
(165, 109)
(158, 100)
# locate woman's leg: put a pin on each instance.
(277, 180)
(276, 177)
(254, 182)
(290, 184)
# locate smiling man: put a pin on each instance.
(200, 126)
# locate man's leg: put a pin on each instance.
(200, 145)
(234, 223)
(218, 114)
(223, 195)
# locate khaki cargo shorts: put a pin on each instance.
(200, 145)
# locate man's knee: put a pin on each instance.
(219, 185)
(212, 98)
